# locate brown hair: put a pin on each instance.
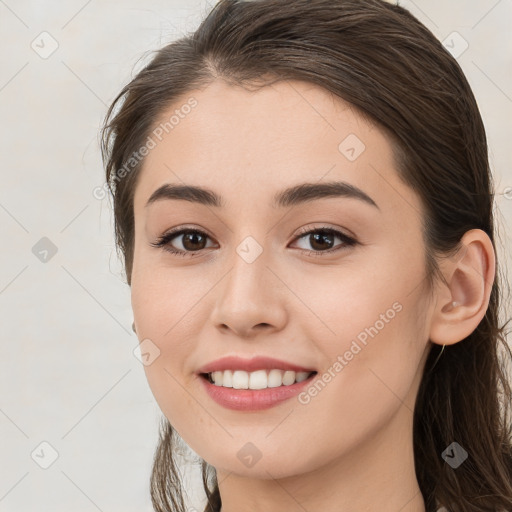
(393, 70)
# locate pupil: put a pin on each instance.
(192, 237)
(318, 237)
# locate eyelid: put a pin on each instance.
(305, 230)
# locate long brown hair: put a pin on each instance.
(394, 71)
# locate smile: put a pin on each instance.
(260, 379)
(245, 398)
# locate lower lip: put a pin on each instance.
(253, 399)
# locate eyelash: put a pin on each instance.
(164, 241)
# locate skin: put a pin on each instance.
(350, 447)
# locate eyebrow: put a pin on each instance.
(296, 195)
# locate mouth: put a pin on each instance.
(254, 384)
(256, 380)
(254, 391)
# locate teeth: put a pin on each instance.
(226, 379)
(257, 380)
(240, 380)
(275, 378)
(260, 379)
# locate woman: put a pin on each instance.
(304, 206)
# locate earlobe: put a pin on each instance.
(470, 274)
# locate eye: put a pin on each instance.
(192, 241)
(322, 240)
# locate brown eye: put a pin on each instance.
(322, 240)
(192, 241)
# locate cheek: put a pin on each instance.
(345, 303)
(370, 326)
(167, 306)
(163, 299)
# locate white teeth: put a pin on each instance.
(275, 378)
(217, 378)
(259, 379)
(288, 378)
(227, 379)
(240, 380)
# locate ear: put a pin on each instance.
(470, 275)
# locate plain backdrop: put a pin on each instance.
(78, 423)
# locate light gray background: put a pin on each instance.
(68, 375)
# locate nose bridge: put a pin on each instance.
(248, 277)
(248, 297)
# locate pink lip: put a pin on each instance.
(253, 399)
(250, 365)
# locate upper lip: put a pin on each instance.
(249, 365)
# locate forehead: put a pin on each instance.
(253, 143)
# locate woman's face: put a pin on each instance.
(253, 284)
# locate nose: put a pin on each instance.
(251, 299)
